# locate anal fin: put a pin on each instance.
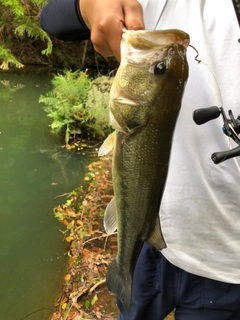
(156, 239)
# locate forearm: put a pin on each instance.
(70, 21)
(62, 19)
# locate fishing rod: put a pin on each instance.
(231, 128)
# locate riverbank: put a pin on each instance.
(91, 251)
(84, 294)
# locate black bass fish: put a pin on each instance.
(145, 100)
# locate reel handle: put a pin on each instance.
(204, 115)
(221, 156)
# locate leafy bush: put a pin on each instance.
(73, 113)
(18, 19)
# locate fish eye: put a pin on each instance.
(159, 68)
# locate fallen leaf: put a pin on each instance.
(64, 305)
(67, 277)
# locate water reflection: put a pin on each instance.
(34, 169)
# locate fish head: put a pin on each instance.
(153, 64)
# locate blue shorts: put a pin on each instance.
(159, 287)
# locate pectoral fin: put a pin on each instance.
(110, 217)
(107, 145)
(156, 238)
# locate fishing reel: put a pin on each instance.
(231, 128)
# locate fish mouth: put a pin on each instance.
(146, 39)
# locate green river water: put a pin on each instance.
(34, 169)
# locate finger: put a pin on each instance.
(100, 44)
(107, 38)
(133, 16)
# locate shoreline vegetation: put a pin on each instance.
(91, 251)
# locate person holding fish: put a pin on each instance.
(177, 213)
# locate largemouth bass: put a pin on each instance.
(145, 100)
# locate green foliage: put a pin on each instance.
(33, 31)
(15, 7)
(8, 58)
(20, 18)
(87, 304)
(67, 105)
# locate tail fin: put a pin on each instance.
(120, 284)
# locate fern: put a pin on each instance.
(31, 28)
(67, 105)
(96, 128)
(8, 58)
(15, 7)
(50, 100)
(20, 18)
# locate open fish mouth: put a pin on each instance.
(133, 40)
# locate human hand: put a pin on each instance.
(107, 18)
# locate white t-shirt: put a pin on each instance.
(200, 210)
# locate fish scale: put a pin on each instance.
(144, 104)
